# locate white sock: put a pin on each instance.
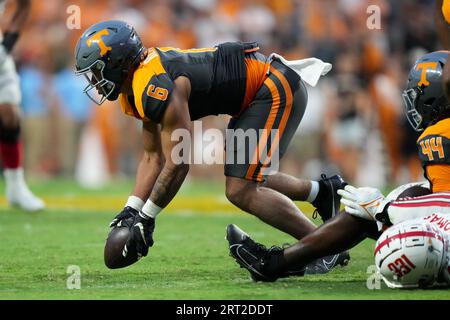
(314, 191)
(14, 176)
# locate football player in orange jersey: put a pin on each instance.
(367, 211)
(167, 88)
(428, 110)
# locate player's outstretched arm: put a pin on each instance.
(152, 161)
(148, 170)
(158, 178)
(134, 215)
(158, 175)
(173, 173)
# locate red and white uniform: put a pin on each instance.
(420, 207)
(433, 208)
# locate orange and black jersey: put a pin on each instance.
(220, 80)
(434, 153)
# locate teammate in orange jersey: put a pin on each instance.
(167, 88)
(17, 191)
(428, 110)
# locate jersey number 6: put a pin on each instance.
(157, 92)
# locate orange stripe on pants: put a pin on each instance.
(284, 118)
(267, 127)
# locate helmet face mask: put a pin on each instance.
(98, 89)
(410, 99)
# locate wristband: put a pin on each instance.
(9, 40)
(150, 210)
(135, 203)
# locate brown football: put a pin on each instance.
(114, 247)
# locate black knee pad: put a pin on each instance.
(9, 135)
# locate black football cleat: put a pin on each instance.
(326, 264)
(327, 202)
(251, 255)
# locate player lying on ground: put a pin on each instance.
(17, 191)
(426, 108)
(167, 88)
(423, 221)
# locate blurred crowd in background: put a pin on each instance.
(354, 123)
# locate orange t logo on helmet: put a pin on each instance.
(97, 39)
(425, 66)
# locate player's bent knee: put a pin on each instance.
(237, 189)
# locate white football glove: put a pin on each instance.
(362, 202)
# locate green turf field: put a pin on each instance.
(188, 261)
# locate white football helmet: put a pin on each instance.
(412, 254)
